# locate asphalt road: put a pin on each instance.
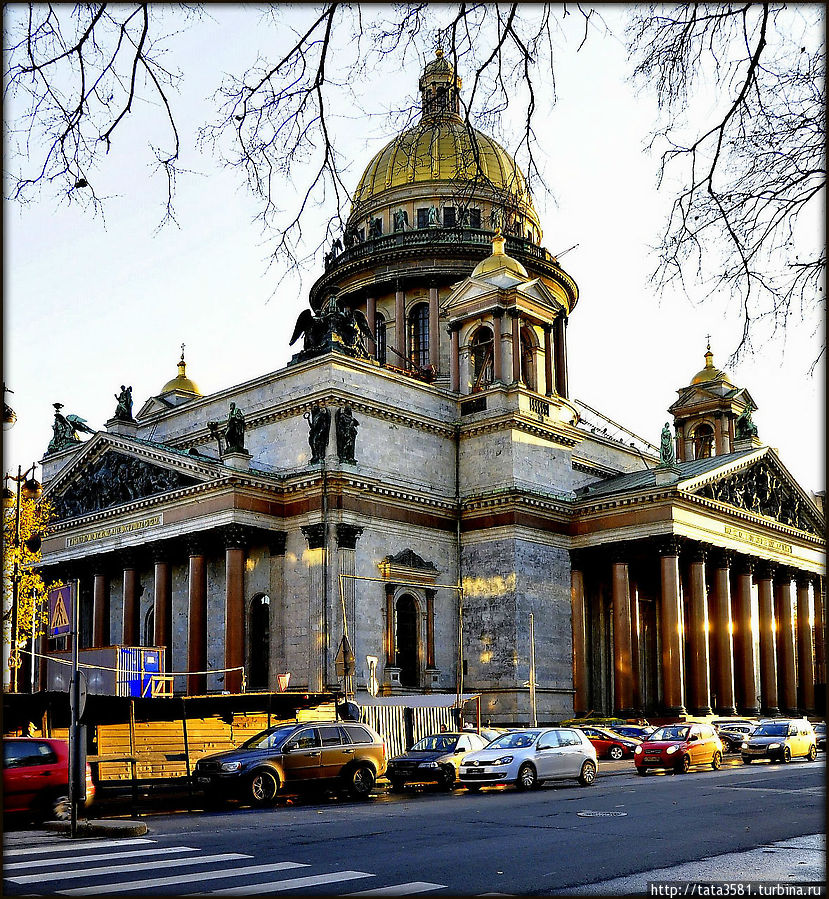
(496, 841)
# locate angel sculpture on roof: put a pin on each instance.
(332, 325)
(65, 429)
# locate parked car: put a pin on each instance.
(633, 731)
(610, 744)
(733, 735)
(433, 759)
(529, 757)
(820, 735)
(319, 753)
(36, 777)
(780, 740)
(678, 747)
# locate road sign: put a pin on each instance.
(344, 662)
(60, 610)
(372, 684)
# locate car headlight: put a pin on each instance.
(231, 766)
(745, 745)
(504, 760)
(638, 750)
(671, 750)
(428, 765)
(775, 745)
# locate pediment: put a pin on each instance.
(113, 471)
(534, 292)
(699, 395)
(762, 487)
(407, 566)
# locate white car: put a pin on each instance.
(528, 757)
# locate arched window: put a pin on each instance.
(419, 335)
(406, 641)
(482, 347)
(527, 359)
(259, 651)
(148, 628)
(380, 337)
(703, 441)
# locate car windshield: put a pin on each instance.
(820, 728)
(771, 730)
(515, 741)
(669, 733)
(269, 739)
(436, 743)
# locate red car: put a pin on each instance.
(36, 776)
(609, 744)
(678, 747)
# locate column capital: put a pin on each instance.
(765, 569)
(723, 558)
(390, 588)
(619, 553)
(745, 564)
(276, 542)
(804, 578)
(315, 535)
(577, 559)
(159, 552)
(430, 592)
(669, 546)
(347, 535)
(235, 536)
(784, 574)
(127, 558)
(699, 552)
(497, 312)
(547, 327)
(100, 566)
(195, 544)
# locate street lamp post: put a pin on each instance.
(30, 489)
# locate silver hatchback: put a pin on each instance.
(528, 757)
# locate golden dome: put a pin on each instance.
(441, 149)
(181, 383)
(710, 373)
(499, 262)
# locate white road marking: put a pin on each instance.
(402, 889)
(294, 883)
(71, 847)
(118, 869)
(183, 878)
(83, 859)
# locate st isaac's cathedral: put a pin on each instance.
(419, 479)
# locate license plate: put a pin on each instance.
(203, 780)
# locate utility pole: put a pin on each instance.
(533, 712)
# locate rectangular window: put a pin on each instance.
(422, 218)
(449, 220)
(475, 219)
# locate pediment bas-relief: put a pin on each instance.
(761, 489)
(113, 480)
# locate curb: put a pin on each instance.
(100, 828)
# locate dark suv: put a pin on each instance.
(341, 754)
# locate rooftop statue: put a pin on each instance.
(319, 427)
(235, 430)
(65, 430)
(332, 328)
(346, 427)
(666, 447)
(123, 411)
(744, 426)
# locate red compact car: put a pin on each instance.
(678, 747)
(36, 777)
(609, 744)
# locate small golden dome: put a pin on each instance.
(499, 262)
(710, 373)
(181, 383)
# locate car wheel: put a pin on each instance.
(716, 761)
(683, 766)
(641, 772)
(447, 780)
(746, 761)
(616, 752)
(787, 755)
(812, 753)
(473, 788)
(361, 782)
(263, 787)
(527, 778)
(588, 773)
(60, 808)
(397, 785)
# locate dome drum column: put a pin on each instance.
(560, 327)
(497, 347)
(516, 347)
(434, 329)
(400, 323)
(548, 360)
(371, 316)
(454, 360)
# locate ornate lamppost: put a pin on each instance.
(29, 489)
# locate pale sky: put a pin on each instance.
(90, 305)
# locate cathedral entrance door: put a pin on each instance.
(406, 638)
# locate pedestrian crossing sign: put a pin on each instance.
(60, 609)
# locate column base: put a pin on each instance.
(770, 711)
(752, 711)
(628, 713)
(675, 711)
(728, 711)
(703, 710)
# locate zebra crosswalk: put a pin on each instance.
(97, 867)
